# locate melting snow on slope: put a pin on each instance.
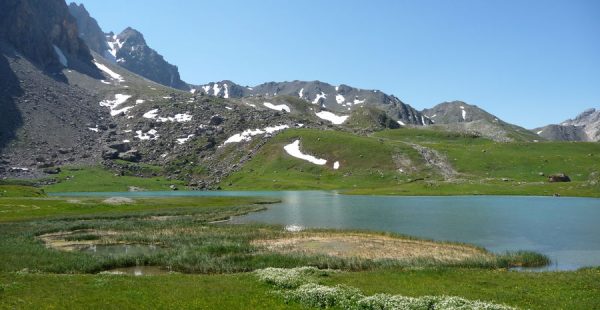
(336, 119)
(179, 118)
(216, 89)
(301, 93)
(206, 88)
(401, 123)
(152, 134)
(226, 91)
(113, 104)
(61, 57)
(247, 134)
(464, 113)
(184, 140)
(111, 73)
(294, 150)
(278, 107)
(193, 90)
(340, 99)
(318, 97)
(139, 101)
(539, 132)
(336, 165)
(250, 104)
(356, 101)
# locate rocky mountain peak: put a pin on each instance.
(89, 30)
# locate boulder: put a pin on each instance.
(132, 156)
(110, 153)
(559, 177)
(52, 170)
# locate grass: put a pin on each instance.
(21, 208)
(97, 179)
(20, 191)
(565, 290)
(370, 165)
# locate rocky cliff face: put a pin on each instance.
(342, 99)
(584, 127)
(89, 30)
(44, 32)
(132, 53)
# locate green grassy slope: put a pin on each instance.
(364, 163)
(371, 165)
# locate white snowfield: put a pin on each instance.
(293, 149)
(335, 119)
(152, 134)
(216, 89)
(226, 96)
(113, 104)
(277, 107)
(206, 88)
(401, 123)
(111, 73)
(340, 99)
(247, 134)
(179, 118)
(301, 93)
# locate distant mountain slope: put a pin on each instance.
(128, 49)
(462, 117)
(584, 127)
(342, 99)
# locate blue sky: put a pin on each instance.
(528, 62)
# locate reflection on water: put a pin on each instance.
(138, 271)
(565, 229)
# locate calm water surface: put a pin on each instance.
(566, 229)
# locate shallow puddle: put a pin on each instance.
(139, 271)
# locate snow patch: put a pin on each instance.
(152, 134)
(335, 119)
(401, 123)
(151, 114)
(539, 132)
(216, 89)
(464, 113)
(206, 88)
(356, 101)
(229, 108)
(184, 140)
(293, 149)
(278, 107)
(301, 93)
(250, 104)
(61, 57)
(336, 165)
(94, 129)
(226, 91)
(193, 90)
(113, 104)
(140, 101)
(247, 134)
(111, 73)
(340, 99)
(105, 82)
(318, 97)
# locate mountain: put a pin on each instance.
(462, 117)
(44, 118)
(342, 99)
(584, 127)
(51, 28)
(128, 49)
(89, 30)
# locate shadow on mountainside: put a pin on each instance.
(10, 116)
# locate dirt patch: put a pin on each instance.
(436, 160)
(372, 247)
(118, 200)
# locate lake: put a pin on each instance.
(565, 229)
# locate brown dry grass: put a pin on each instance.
(371, 246)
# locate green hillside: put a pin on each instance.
(388, 162)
